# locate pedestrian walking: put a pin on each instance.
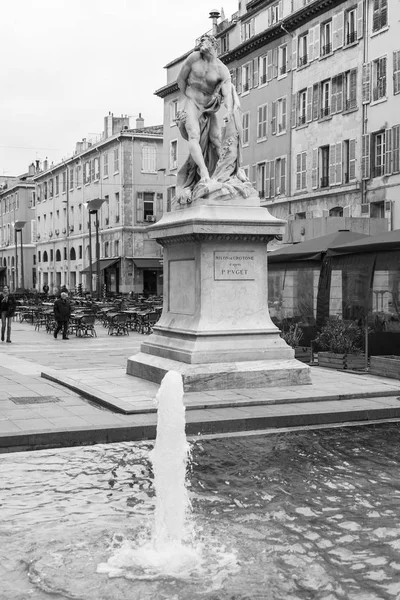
(7, 310)
(62, 313)
(45, 289)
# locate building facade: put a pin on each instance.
(17, 227)
(315, 145)
(121, 170)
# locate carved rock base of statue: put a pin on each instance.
(215, 327)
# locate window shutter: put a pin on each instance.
(255, 72)
(334, 32)
(310, 48)
(265, 120)
(396, 148)
(283, 175)
(333, 95)
(396, 72)
(339, 162)
(293, 117)
(280, 10)
(160, 204)
(384, 11)
(340, 30)
(272, 178)
(388, 151)
(239, 81)
(352, 160)
(267, 180)
(353, 88)
(233, 78)
(376, 20)
(366, 83)
(314, 170)
(360, 20)
(365, 157)
(252, 26)
(309, 104)
(339, 93)
(294, 52)
(284, 113)
(273, 121)
(269, 65)
(260, 123)
(298, 172)
(332, 164)
(315, 102)
(317, 33)
(274, 63)
(139, 207)
(304, 170)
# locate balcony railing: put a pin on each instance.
(302, 60)
(325, 112)
(349, 104)
(379, 91)
(263, 79)
(246, 87)
(326, 49)
(351, 37)
(283, 69)
(378, 170)
(324, 182)
(302, 119)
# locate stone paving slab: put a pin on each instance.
(107, 405)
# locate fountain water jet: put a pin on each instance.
(171, 550)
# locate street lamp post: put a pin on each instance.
(93, 207)
(18, 226)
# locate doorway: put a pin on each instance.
(150, 282)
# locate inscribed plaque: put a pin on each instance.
(232, 265)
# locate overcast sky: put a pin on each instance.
(67, 63)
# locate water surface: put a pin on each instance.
(295, 516)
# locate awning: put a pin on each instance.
(388, 241)
(148, 263)
(104, 264)
(315, 248)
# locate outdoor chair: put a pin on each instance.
(118, 324)
(149, 320)
(85, 326)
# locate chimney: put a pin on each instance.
(139, 122)
(214, 15)
(45, 164)
(37, 165)
(31, 170)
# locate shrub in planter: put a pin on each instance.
(338, 341)
(292, 337)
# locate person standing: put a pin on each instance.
(45, 289)
(7, 310)
(62, 313)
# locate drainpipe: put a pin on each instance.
(289, 160)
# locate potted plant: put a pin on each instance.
(292, 337)
(340, 345)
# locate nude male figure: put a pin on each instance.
(202, 79)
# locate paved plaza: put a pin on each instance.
(64, 393)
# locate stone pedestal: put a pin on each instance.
(215, 327)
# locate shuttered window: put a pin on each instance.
(396, 148)
(262, 116)
(379, 15)
(396, 72)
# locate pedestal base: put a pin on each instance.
(219, 376)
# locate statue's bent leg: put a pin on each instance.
(193, 131)
(215, 133)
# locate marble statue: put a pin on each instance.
(213, 165)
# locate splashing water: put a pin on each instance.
(169, 459)
(172, 550)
